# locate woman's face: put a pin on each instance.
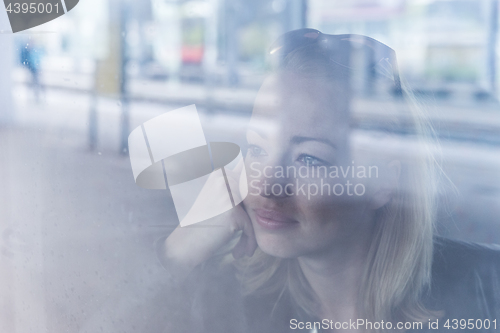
(303, 199)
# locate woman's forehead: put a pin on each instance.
(295, 102)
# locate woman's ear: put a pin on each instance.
(387, 184)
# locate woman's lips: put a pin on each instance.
(271, 219)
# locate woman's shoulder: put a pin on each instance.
(466, 279)
(459, 256)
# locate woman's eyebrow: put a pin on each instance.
(301, 139)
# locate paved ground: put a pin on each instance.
(76, 233)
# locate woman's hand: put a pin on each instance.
(189, 246)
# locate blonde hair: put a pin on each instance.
(398, 265)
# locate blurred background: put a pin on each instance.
(76, 233)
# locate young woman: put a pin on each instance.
(336, 232)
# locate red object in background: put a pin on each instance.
(192, 54)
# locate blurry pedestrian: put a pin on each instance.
(30, 57)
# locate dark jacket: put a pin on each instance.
(465, 285)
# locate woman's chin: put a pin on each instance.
(278, 247)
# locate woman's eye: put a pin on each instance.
(256, 150)
(310, 160)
